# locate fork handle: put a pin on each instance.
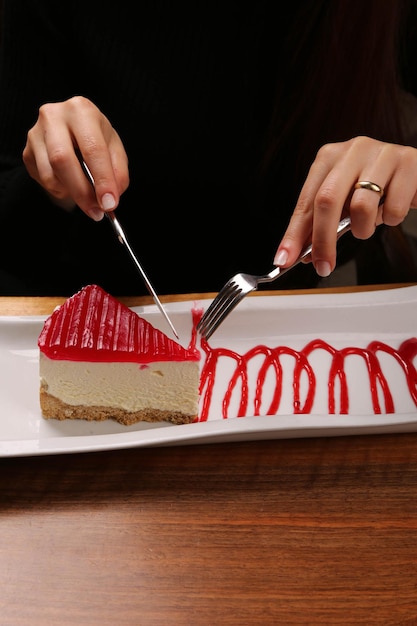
(343, 227)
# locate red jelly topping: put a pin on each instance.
(94, 326)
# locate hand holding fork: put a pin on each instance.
(241, 284)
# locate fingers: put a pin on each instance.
(317, 213)
(394, 170)
(66, 133)
(329, 193)
(400, 187)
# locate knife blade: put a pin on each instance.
(124, 241)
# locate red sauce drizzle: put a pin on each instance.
(404, 355)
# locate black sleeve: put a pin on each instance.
(36, 61)
(407, 48)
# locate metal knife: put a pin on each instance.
(123, 240)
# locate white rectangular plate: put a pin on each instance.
(341, 320)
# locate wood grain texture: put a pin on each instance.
(292, 532)
(314, 531)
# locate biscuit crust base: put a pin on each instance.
(53, 408)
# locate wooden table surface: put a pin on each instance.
(301, 531)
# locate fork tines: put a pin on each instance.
(226, 300)
(221, 306)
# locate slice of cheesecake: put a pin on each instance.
(99, 360)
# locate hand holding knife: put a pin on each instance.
(123, 240)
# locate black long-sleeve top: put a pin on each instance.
(190, 91)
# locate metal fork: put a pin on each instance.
(241, 284)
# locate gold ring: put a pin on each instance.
(366, 184)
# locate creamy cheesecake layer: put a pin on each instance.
(129, 386)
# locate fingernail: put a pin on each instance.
(281, 257)
(323, 268)
(108, 202)
(96, 214)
